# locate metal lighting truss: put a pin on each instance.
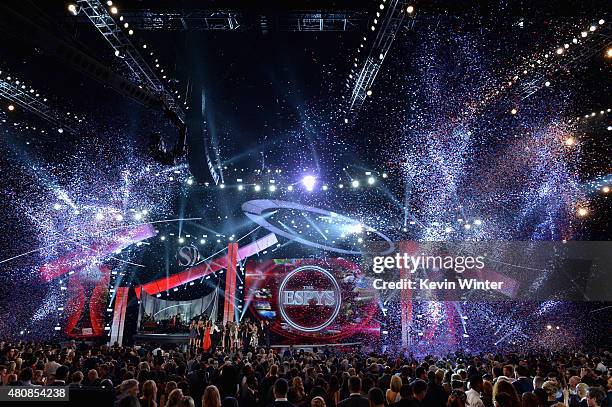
(228, 20)
(97, 13)
(27, 101)
(593, 44)
(387, 28)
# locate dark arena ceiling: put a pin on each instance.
(483, 121)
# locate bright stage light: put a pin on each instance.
(73, 9)
(162, 238)
(559, 51)
(582, 211)
(138, 216)
(290, 188)
(547, 83)
(257, 188)
(382, 6)
(99, 216)
(119, 217)
(309, 182)
(202, 241)
(11, 107)
(355, 183)
(272, 188)
(384, 175)
(605, 189)
(583, 34)
(410, 10)
(57, 206)
(478, 222)
(114, 10)
(369, 92)
(131, 32)
(109, 3)
(324, 188)
(549, 327)
(240, 187)
(513, 111)
(181, 240)
(189, 181)
(448, 229)
(371, 181)
(593, 28)
(609, 53)
(569, 141)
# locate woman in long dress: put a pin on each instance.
(199, 332)
(206, 342)
(192, 333)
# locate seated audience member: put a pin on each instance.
(595, 396)
(76, 379)
(456, 398)
(376, 397)
(355, 399)
(318, 402)
(61, 374)
(523, 382)
(211, 397)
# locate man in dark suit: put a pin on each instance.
(60, 376)
(281, 386)
(355, 399)
(524, 383)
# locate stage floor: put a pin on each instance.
(180, 339)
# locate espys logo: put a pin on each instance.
(309, 298)
(188, 256)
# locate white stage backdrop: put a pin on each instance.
(160, 309)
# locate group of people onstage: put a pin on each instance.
(245, 335)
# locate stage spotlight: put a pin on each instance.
(240, 187)
(109, 3)
(601, 21)
(355, 183)
(582, 211)
(324, 188)
(202, 241)
(163, 238)
(448, 229)
(569, 141)
(593, 28)
(57, 206)
(60, 130)
(189, 181)
(369, 92)
(138, 216)
(384, 175)
(605, 189)
(410, 10)
(549, 327)
(559, 51)
(371, 181)
(341, 186)
(257, 188)
(72, 8)
(99, 216)
(114, 10)
(11, 107)
(583, 34)
(309, 182)
(513, 111)
(119, 217)
(467, 226)
(547, 83)
(272, 188)
(609, 53)
(290, 188)
(131, 32)
(181, 240)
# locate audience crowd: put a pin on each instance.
(154, 377)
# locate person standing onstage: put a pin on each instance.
(206, 342)
(255, 336)
(227, 338)
(199, 333)
(215, 335)
(192, 333)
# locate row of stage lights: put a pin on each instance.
(381, 7)
(114, 11)
(559, 51)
